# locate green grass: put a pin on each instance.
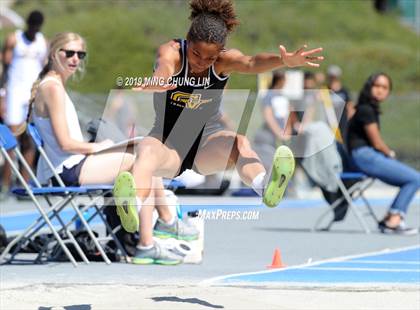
(400, 127)
(123, 36)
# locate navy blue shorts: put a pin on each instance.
(70, 176)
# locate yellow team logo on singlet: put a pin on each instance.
(189, 101)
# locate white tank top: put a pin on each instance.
(57, 156)
(28, 59)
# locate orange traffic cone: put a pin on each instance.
(277, 263)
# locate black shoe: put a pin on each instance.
(401, 229)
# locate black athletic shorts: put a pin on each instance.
(70, 176)
(190, 153)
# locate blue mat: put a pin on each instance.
(400, 266)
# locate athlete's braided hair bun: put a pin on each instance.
(212, 20)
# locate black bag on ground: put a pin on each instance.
(127, 240)
(88, 247)
(341, 209)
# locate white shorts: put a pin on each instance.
(17, 103)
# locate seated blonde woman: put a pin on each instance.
(82, 163)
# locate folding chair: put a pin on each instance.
(94, 192)
(8, 143)
(100, 191)
(360, 181)
(355, 191)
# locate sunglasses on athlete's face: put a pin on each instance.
(69, 53)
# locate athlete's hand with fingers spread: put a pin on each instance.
(301, 57)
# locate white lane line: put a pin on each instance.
(337, 259)
(360, 269)
(396, 262)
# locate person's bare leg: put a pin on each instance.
(225, 150)
(29, 156)
(392, 220)
(109, 164)
(7, 176)
(161, 204)
(28, 151)
(146, 220)
(156, 200)
(249, 164)
(212, 158)
(153, 159)
(7, 169)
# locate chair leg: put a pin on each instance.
(370, 209)
(40, 210)
(79, 215)
(323, 215)
(56, 235)
(32, 230)
(109, 230)
(360, 190)
(352, 206)
(89, 231)
(54, 212)
(17, 239)
(98, 211)
(68, 232)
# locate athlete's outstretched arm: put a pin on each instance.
(235, 61)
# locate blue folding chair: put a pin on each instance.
(95, 192)
(8, 143)
(361, 183)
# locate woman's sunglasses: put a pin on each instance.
(70, 53)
